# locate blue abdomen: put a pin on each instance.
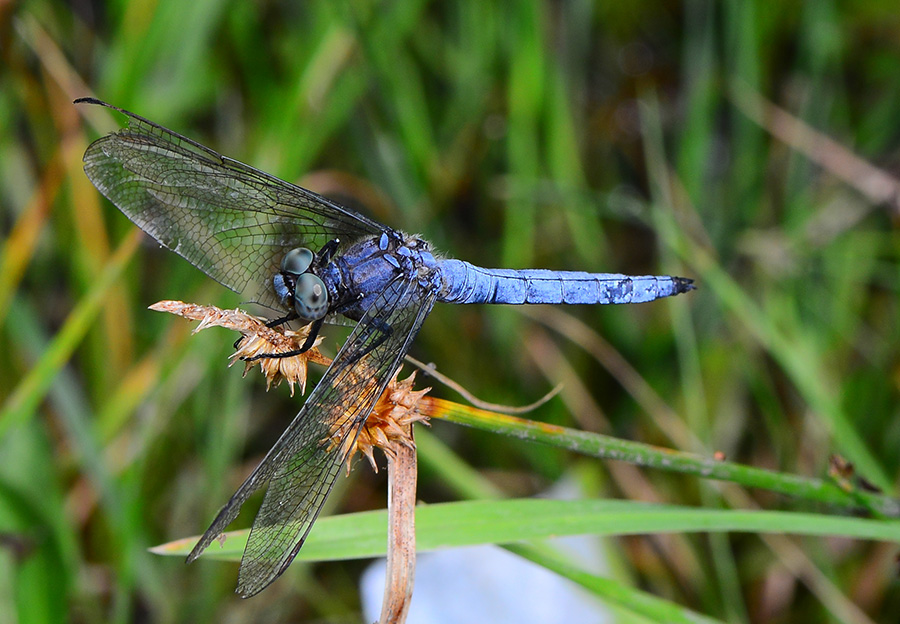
(463, 282)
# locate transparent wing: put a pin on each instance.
(301, 468)
(231, 221)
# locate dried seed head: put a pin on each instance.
(256, 339)
(388, 425)
(395, 410)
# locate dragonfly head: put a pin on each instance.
(308, 291)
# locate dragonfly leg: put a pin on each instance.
(270, 324)
(327, 251)
(311, 337)
(281, 320)
(307, 345)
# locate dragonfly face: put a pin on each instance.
(299, 288)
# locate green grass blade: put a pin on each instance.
(469, 523)
(21, 404)
(607, 447)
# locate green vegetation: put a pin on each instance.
(647, 137)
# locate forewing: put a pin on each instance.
(302, 466)
(228, 219)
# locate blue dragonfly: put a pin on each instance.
(312, 260)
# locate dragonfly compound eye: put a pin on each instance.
(310, 297)
(296, 261)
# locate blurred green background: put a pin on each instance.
(629, 137)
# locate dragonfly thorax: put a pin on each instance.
(299, 288)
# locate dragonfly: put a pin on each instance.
(313, 261)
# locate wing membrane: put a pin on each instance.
(301, 468)
(231, 221)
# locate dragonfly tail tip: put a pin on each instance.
(683, 285)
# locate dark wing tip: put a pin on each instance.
(89, 100)
(195, 553)
(94, 101)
